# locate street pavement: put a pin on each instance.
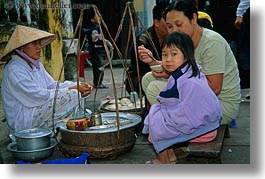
(236, 149)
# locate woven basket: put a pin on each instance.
(104, 145)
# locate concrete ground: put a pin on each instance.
(236, 149)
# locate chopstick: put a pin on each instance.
(151, 56)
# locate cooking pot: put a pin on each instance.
(32, 155)
(33, 139)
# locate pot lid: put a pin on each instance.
(33, 133)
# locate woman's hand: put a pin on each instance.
(144, 56)
(162, 74)
(84, 88)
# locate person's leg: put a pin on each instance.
(96, 72)
(66, 102)
(167, 156)
(244, 56)
(101, 61)
(152, 87)
(147, 78)
(163, 158)
(229, 111)
(171, 155)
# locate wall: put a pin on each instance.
(55, 20)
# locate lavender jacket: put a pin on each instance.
(188, 108)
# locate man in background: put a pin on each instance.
(157, 32)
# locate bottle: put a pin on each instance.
(96, 118)
(133, 96)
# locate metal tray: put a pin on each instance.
(110, 106)
(101, 127)
(133, 118)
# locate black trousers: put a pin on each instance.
(97, 61)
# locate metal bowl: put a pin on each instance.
(33, 139)
(33, 155)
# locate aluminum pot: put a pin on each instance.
(33, 139)
(32, 155)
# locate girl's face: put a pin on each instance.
(177, 21)
(172, 58)
(32, 49)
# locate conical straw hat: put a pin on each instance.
(24, 35)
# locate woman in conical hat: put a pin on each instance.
(27, 88)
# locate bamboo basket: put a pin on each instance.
(100, 143)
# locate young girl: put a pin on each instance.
(187, 108)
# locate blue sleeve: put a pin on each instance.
(242, 7)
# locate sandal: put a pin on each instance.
(149, 162)
(173, 162)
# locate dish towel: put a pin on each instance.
(82, 159)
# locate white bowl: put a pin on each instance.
(157, 68)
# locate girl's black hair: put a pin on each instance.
(188, 7)
(183, 42)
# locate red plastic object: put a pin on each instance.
(83, 56)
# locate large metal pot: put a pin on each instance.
(33, 139)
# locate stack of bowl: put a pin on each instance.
(32, 145)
